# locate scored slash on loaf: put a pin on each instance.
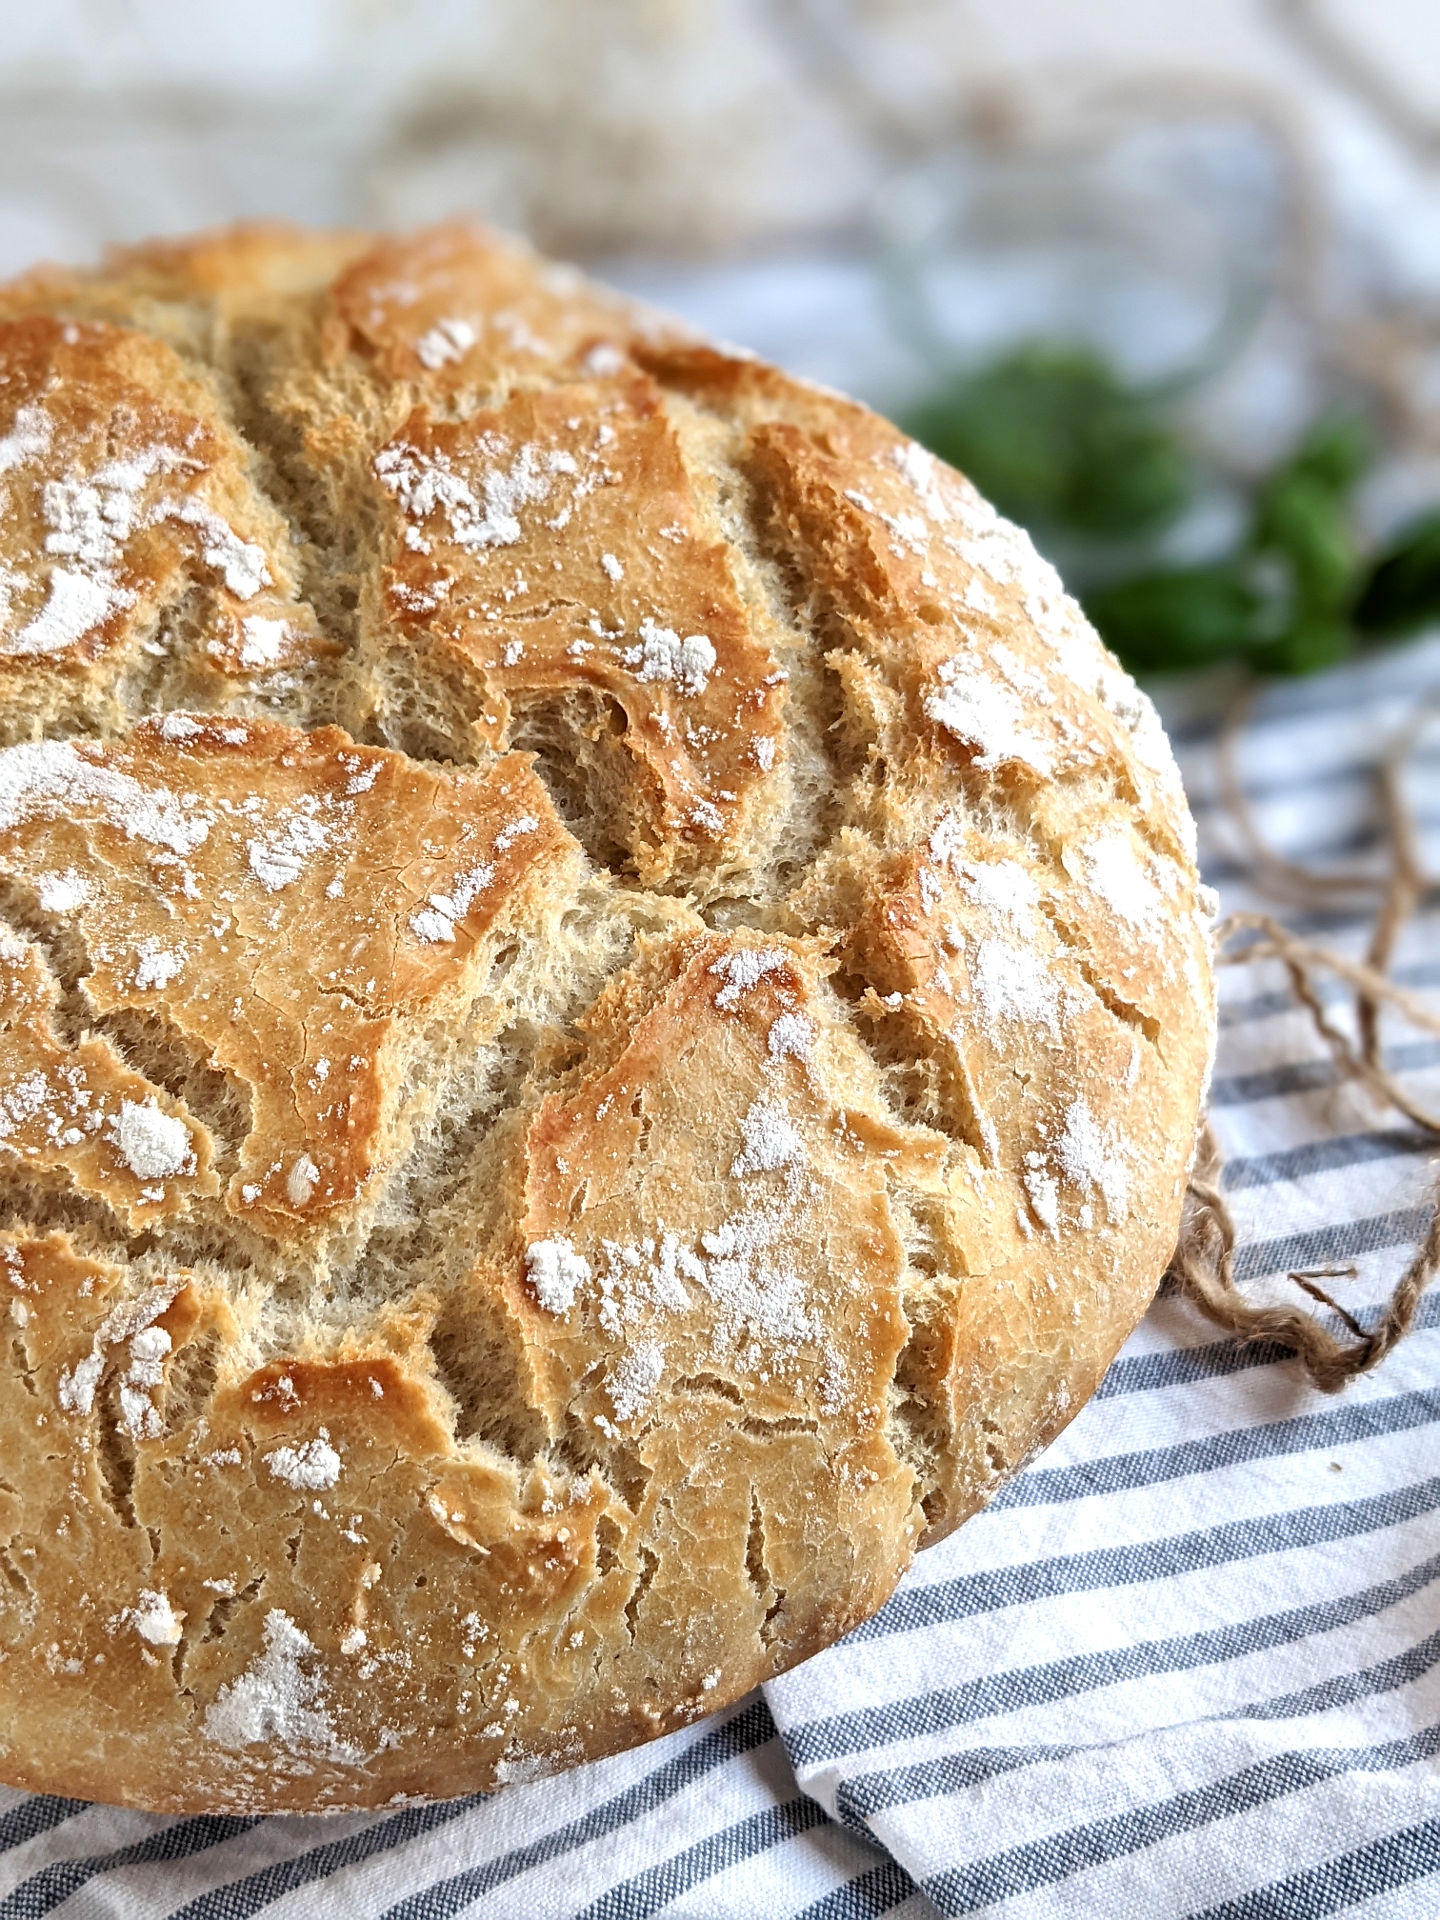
(604, 1002)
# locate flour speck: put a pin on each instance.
(278, 1701)
(743, 970)
(155, 1620)
(556, 1272)
(771, 1142)
(313, 1465)
(154, 1145)
(633, 1383)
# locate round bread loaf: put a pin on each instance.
(604, 1004)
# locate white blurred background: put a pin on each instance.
(859, 188)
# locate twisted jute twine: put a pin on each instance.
(1203, 1267)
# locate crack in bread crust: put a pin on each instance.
(603, 1001)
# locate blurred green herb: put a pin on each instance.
(1403, 589)
(1059, 442)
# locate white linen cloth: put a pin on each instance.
(1187, 1664)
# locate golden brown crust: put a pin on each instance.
(496, 516)
(120, 472)
(441, 312)
(289, 906)
(603, 998)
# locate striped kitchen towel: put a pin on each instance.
(1187, 1664)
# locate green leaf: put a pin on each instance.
(1334, 452)
(1059, 442)
(1402, 592)
(1310, 643)
(1054, 438)
(1302, 518)
(1179, 617)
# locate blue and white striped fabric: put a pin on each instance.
(1188, 1664)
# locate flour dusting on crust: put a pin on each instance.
(603, 999)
